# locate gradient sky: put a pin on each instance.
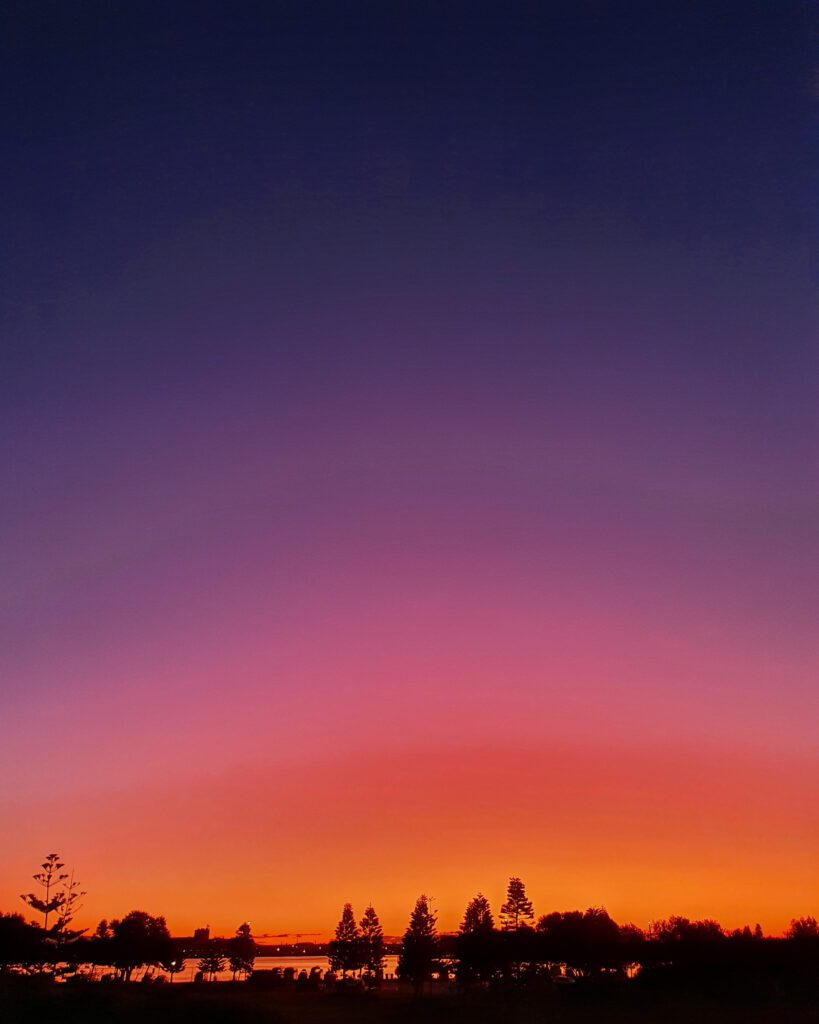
(409, 464)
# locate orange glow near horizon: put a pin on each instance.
(647, 833)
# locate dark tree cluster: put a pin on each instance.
(589, 946)
(241, 952)
(572, 947)
(236, 955)
(358, 946)
(138, 940)
(36, 946)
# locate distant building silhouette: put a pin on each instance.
(202, 934)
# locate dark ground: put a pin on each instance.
(217, 1003)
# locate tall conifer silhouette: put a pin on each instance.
(345, 948)
(517, 910)
(372, 943)
(419, 947)
(51, 879)
(476, 943)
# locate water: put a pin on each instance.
(267, 963)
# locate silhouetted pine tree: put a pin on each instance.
(372, 943)
(477, 916)
(517, 909)
(419, 947)
(69, 907)
(52, 880)
(476, 943)
(345, 948)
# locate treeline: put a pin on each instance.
(571, 946)
(520, 949)
(137, 940)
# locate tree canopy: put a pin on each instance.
(419, 947)
(372, 943)
(345, 948)
(517, 910)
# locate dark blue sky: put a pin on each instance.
(412, 132)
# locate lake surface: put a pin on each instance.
(267, 963)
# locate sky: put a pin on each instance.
(409, 457)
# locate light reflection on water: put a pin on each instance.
(267, 963)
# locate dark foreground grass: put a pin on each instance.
(227, 1004)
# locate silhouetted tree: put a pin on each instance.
(99, 947)
(71, 895)
(517, 910)
(172, 963)
(680, 929)
(632, 943)
(345, 948)
(372, 943)
(21, 943)
(242, 951)
(419, 947)
(476, 945)
(212, 963)
(51, 879)
(477, 916)
(585, 941)
(686, 948)
(802, 928)
(138, 940)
